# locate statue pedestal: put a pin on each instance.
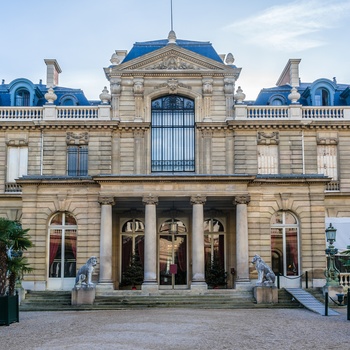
(83, 295)
(266, 295)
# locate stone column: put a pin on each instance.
(198, 264)
(242, 251)
(150, 283)
(105, 280)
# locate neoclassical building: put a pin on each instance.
(172, 165)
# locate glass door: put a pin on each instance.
(62, 252)
(173, 254)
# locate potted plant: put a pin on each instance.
(13, 241)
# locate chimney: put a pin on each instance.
(290, 74)
(52, 72)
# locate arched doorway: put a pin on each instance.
(132, 253)
(62, 251)
(285, 257)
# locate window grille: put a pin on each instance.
(173, 134)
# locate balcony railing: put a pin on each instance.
(77, 113)
(21, 113)
(291, 112)
(267, 112)
(333, 186)
(241, 112)
(12, 187)
(344, 279)
(51, 112)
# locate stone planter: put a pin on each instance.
(9, 309)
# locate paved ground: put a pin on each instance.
(169, 329)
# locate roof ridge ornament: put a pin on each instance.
(172, 37)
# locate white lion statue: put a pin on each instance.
(266, 276)
(84, 274)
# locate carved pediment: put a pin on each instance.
(171, 58)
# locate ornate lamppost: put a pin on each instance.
(332, 273)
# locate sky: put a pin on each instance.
(261, 34)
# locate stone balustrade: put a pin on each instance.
(77, 113)
(241, 112)
(52, 112)
(21, 113)
(344, 279)
(291, 112)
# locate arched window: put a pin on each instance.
(172, 134)
(22, 97)
(285, 244)
(132, 245)
(63, 245)
(67, 102)
(276, 102)
(321, 97)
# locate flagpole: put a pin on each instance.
(171, 12)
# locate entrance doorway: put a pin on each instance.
(173, 254)
(62, 252)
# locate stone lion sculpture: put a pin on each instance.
(84, 274)
(266, 276)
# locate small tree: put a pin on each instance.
(13, 241)
(215, 275)
(134, 272)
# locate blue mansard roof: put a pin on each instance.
(37, 92)
(203, 48)
(339, 94)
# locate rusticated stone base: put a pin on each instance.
(266, 295)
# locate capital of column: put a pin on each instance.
(106, 200)
(150, 199)
(198, 199)
(243, 199)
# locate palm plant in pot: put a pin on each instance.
(13, 241)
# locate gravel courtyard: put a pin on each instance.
(165, 329)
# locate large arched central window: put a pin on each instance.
(173, 134)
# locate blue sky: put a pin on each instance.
(261, 34)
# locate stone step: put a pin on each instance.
(229, 299)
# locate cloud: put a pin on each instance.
(296, 26)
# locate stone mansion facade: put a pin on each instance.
(172, 165)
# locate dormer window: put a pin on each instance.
(321, 97)
(276, 102)
(22, 97)
(68, 100)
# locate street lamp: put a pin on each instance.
(332, 273)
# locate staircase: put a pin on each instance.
(218, 299)
(46, 301)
